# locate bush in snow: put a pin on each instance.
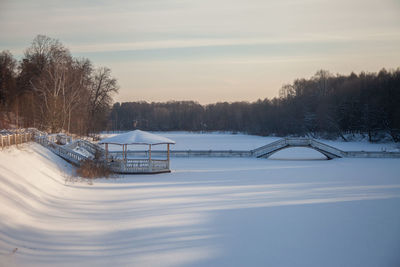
(93, 169)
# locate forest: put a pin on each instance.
(51, 90)
(324, 105)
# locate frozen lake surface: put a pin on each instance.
(207, 212)
(223, 141)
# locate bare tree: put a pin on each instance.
(286, 91)
(100, 97)
(77, 88)
(322, 79)
(51, 88)
(8, 93)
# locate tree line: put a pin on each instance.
(324, 105)
(51, 90)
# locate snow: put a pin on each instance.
(137, 137)
(83, 152)
(206, 212)
(224, 141)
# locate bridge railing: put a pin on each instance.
(298, 141)
(327, 148)
(277, 142)
(268, 148)
(63, 152)
(92, 148)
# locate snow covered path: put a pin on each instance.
(207, 212)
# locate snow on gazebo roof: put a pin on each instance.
(137, 137)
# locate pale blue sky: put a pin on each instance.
(211, 50)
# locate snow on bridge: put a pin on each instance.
(269, 149)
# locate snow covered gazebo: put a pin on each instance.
(127, 165)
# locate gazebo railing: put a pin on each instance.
(160, 164)
(139, 165)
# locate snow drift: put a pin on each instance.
(207, 212)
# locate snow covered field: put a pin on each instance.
(222, 141)
(207, 212)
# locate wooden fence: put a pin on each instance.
(15, 139)
(63, 152)
(185, 153)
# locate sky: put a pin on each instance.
(211, 50)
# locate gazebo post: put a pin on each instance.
(168, 156)
(126, 152)
(106, 152)
(150, 167)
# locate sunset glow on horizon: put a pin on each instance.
(211, 51)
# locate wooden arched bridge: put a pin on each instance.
(269, 149)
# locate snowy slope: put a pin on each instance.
(207, 212)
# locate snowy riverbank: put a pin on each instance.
(207, 212)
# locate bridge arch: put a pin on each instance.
(270, 149)
(288, 152)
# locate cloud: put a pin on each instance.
(186, 46)
(215, 42)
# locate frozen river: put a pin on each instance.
(206, 212)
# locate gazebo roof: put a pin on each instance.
(137, 137)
